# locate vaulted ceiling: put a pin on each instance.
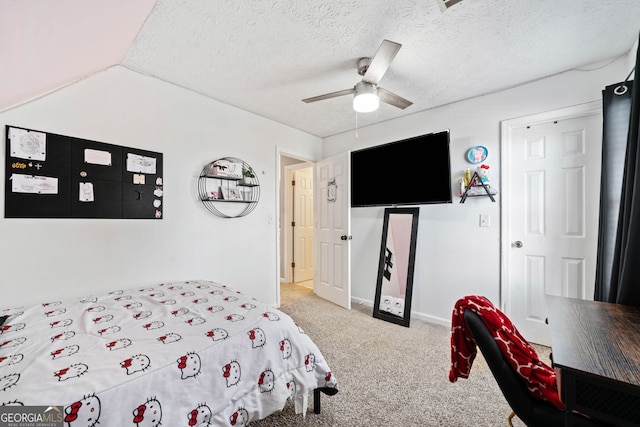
(265, 56)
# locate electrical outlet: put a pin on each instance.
(485, 220)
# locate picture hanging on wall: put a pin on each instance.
(477, 154)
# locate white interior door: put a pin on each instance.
(302, 225)
(332, 274)
(552, 191)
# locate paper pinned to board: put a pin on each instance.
(28, 144)
(86, 192)
(33, 184)
(141, 164)
(97, 157)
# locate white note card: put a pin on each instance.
(141, 164)
(97, 157)
(33, 184)
(86, 192)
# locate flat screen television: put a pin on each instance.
(412, 171)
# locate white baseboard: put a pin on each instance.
(360, 301)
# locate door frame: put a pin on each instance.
(287, 207)
(506, 130)
(280, 207)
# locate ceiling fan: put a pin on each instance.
(367, 93)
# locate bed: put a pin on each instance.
(192, 353)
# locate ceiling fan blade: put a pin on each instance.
(329, 95)
(380, 63)
(393, 99)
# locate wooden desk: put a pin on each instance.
(596, 348)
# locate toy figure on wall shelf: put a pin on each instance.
(483, 173)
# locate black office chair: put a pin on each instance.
(533, 412)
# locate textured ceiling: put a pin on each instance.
(265, 56)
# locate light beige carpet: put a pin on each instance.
(388, 374)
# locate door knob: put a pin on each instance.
(517, 244)
(345, 237)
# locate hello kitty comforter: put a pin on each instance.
(188, 354)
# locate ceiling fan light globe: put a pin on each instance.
(366, 103)
(365, 98)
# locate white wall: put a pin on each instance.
(43, 259)
(455, 257)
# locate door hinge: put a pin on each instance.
(293, 265)
(293, 223)
(293, 182)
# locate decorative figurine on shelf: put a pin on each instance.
(483, 174)
(247, 176)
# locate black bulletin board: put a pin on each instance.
(56, 176)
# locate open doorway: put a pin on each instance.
(296, 228)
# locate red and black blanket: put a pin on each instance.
(540, 378)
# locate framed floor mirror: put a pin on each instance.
(396, 265)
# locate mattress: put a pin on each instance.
(191, 353)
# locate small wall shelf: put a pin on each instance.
(226, 193)
(479, 189)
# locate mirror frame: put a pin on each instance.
(382, 266)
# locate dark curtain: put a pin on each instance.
(616, 113)
(618, 263)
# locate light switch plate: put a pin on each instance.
(485, 220)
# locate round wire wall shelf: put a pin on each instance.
(228, 187)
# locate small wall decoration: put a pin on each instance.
(476, 184)
(228, 187)
(332, 188)
(477, 154)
